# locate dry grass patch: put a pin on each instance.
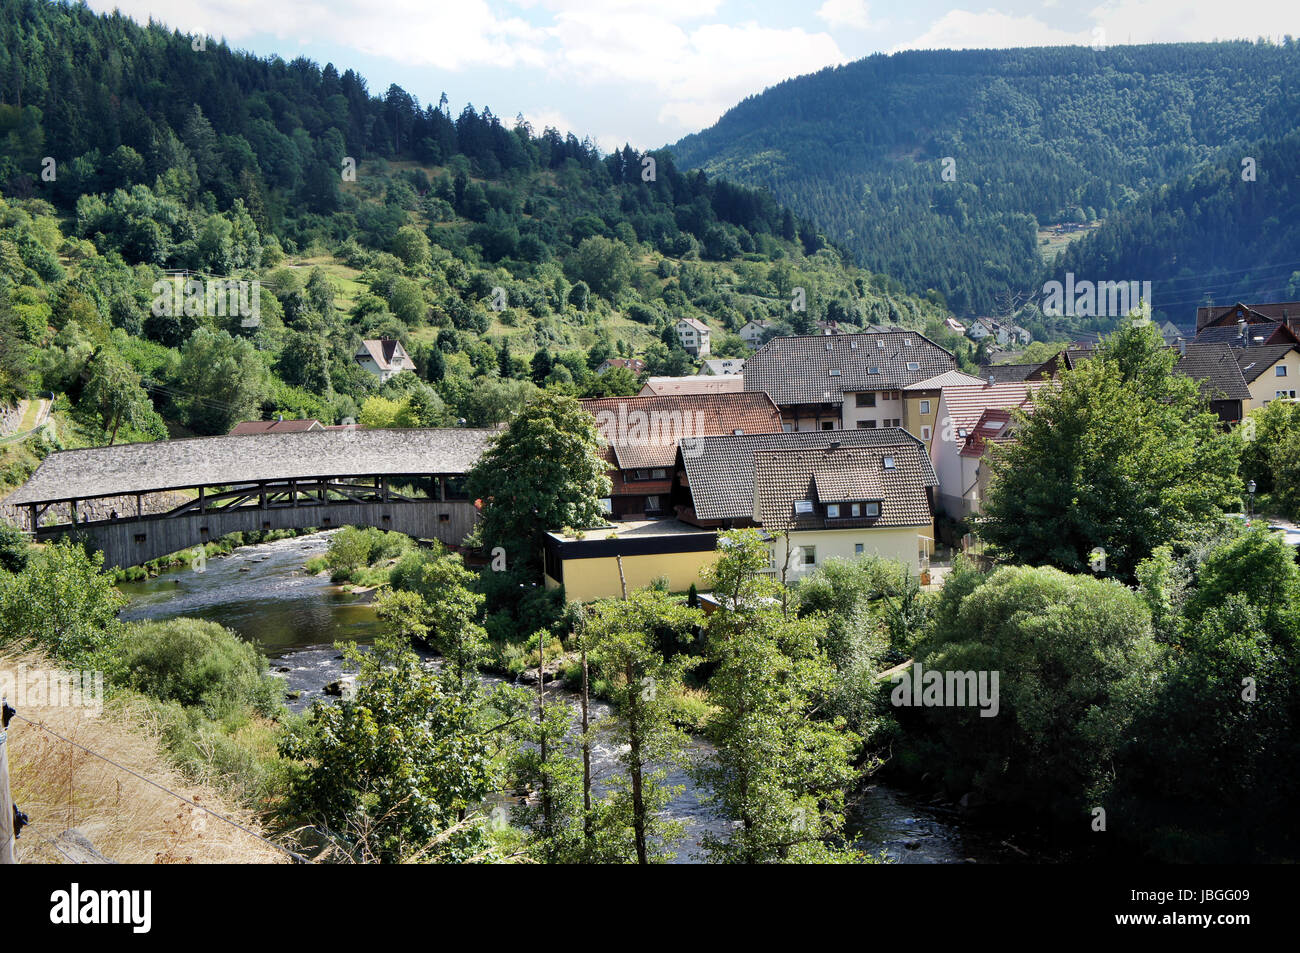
(128, 820)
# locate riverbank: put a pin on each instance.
(295, 617)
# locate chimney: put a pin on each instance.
(1182, 346)
(1241, 328)
(834, 445)
(991, 380)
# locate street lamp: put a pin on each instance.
(1250, 494)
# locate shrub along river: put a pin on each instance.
(263, 593)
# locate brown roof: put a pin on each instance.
(247, 427)
(1210, 315)
(720, 470)
(644, 431)
(994, 426)
(842, 475)
(706, 384)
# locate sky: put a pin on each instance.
(648, 72)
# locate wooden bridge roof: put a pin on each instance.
(133, 468)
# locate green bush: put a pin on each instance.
(201, 664)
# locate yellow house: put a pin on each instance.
(921, 403)
(845, 502)
(1270, 372)
(607, 562)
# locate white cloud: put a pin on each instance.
(845, 13)
(696, 73)
(964, 30)
(450, 36)
(1147, 21)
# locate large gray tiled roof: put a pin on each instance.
(721, 469)
(218, 461)
(841, 475)
(798, 370)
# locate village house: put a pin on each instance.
(1286, 313)
(384, 358)
(1003, 332)
(1216, 369)
(633, 364)
(995, 427)
(818, 495)
(753, 332)
(960, 409)
(642, 435)
(694, 336)
(609, 562)
(1270, 372)
(723, 366)
(844, 381)
(921, 403)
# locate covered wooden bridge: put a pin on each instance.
(408, 481)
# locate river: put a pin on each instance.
(263, 593)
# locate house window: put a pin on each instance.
(925, 406)
(873, 370)
(855, 509)
(787, 428)
(888, 463)
(866, 425)
(866, 400)
(652, 504)
(1284, 393)
(1280, 370)
(858, 549)
(659, 474)
(913, 366)
(810, 555)
(925, 433)
(828, 425)
(835, 372)
(871, 510)
(832, 510)
(803, 507)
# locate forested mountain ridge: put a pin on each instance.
(1213, 233)
(1036, 136)
(503, 259)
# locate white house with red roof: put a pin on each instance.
(961, 410)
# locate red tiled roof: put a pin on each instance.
(994, 426)
(643, 431)
(965, 405)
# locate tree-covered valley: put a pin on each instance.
(1028, 138)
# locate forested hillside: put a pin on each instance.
(125, 151)
(1211, 232)
(1037, 136)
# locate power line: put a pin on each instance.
(295, 857)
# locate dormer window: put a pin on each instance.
(832, 511)
(803, 507)
(907, 342)
(888, 463)
(870, 510)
